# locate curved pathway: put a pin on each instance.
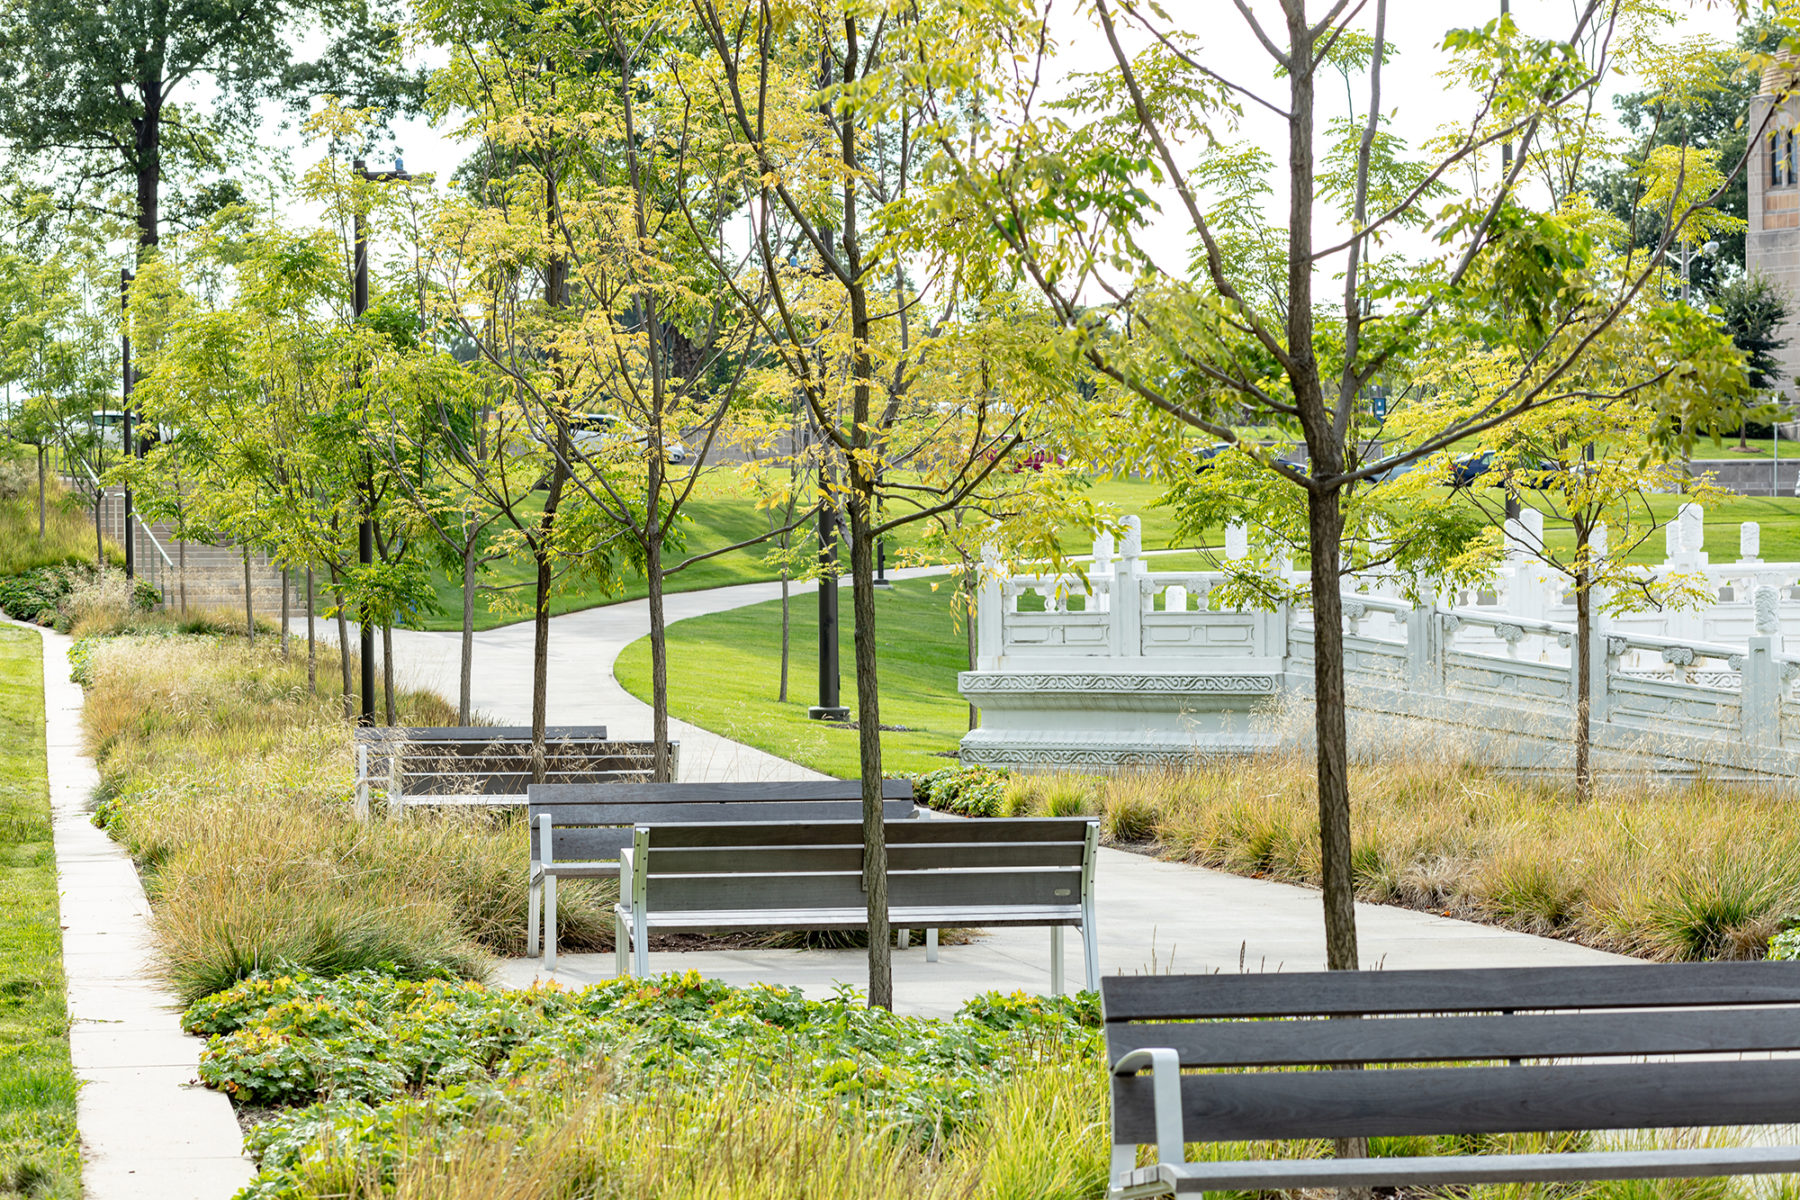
(1155, 916)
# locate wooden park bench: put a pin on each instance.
(577, 830)
(444, 766)
(789, 875)
(1463, 1052)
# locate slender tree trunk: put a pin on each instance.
(387, 671)
(781, 697)
(659, 658)
(99, 542)
(972, 649)
(284, 612)
(312, 645)
(343, 629)
(868, 736)
(181, 570)
(465, 679)
(42, 484)
(1325, 544)
(1584, 677)
(249, 605)
(540, 619)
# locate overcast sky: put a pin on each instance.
(1415, 95)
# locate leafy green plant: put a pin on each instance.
(966, 791)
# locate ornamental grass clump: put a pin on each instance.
(1661, 869)
(231, 784)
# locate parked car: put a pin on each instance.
(591, 431)
(1545, 473)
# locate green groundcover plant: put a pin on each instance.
(357, 1059)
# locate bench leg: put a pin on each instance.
(533, 896)
(1056, 960)
(1090, 951)
(905, 938)
(549, 922)
(621, 945)
(931, 945)
(640, 943)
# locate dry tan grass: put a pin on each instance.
(232, 787)
(1673, 871)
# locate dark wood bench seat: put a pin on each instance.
(578, 830)
(486, 766)
(1504, 1050)
(778, 875)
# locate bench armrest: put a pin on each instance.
(625, 878)
(1165, 1074)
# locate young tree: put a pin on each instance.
(1067, 188)
(882, 305)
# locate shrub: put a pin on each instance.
(967, 791)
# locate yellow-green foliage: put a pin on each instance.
(232, 786)
(68, 523)
(1672, 871)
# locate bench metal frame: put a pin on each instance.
(484, 766)
(1508, 1050)
(589, 824)
(971, 873)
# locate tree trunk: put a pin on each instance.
(41, 486)
(1326, 533)
(969, 635)
(782, 695)
(343, 626)
(1584, 680)
(540, 618)
(868, 736)
(148, 138)
(387, 671)
(181, 570)
(465, 678)
(312, 645)
(284, 612)
(249, 605)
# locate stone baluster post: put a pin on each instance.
(1749, 542)
(1128, 604)
(1237, 541)
(1101, 572)
(1425, 650)
(990, 612)
(1759, 702)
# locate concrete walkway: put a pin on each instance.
(1154, 916)
(148, 1130)
(581, 688)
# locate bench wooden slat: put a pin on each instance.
(1449, 1039)
(825, 833)
(1459, 1100)
(910, 916)
(1266, 1175)
(795, 791)
(375, 734)
(595, 831)
(784, 882)
(511, 782)
(1493, 989)
(726, 860)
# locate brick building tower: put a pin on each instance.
(1772, 242)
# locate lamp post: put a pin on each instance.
(365, 530)
(1685, 255)
(828, 708)
(129, 445)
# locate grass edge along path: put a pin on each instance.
(40, 1149)
(724, 675)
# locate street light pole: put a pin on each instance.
(828, 708)
(365, 530)
(125, 390)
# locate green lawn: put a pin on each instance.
(724, 513)
(40, 1152)
(725, 671)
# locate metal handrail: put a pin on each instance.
(167, 561)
